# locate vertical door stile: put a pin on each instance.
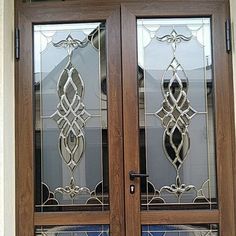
(115, 124)
(131, 121)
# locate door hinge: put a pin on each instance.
(17, 43)
(228, 36)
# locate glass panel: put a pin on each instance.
(71, 154)
(82, 230)
(180, 230)
(177, 147)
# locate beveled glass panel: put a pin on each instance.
(71, 158)
(176, 91)
(80, 230)
(180, 230)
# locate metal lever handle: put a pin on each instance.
(133, 175)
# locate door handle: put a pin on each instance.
(133, 175)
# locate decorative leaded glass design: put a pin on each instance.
(70, 112)
(176, 113)
(180, 230)
(80, 230)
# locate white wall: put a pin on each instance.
(7, 139)
(233, 19)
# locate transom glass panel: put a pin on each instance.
(71, 158)
(176, 94)
(180, 230)
(77, 230)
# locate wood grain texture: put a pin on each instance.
(72, 12)
(131, 121)
(115, 125)
(173, 9)
(223, 105)
(180, 217)
(224, 124)
(90, 10)
(104, 2)
(67, 12)
(71, 218)
(24, 135)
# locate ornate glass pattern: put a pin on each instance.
(176, 113)
(70, 117)
(180, 230)
(80, 230)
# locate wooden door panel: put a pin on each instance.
(218, 15)
(67, 13)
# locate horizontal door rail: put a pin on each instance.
(180, 217)
(71, 218)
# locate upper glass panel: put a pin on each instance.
(70, 117)
(177, 147)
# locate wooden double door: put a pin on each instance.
(124, 119)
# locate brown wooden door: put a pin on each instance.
(105, 91)
(168, 134)
(69, 130)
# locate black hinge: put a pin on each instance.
(228, 36)
(17, 44)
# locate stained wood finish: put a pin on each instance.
(71, 218)
(67, 12)
(24, 136)
(224, 125)
(115, 125)
(223, 109)
(104, 2)
(91, 10)
(180, 217)
(131, 121)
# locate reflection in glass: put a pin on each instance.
(70, 117)
(176, 113)
(82, 230)
(180, 230)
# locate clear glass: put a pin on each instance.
(180, 230)
(177, 144)
(71, 157)
(80, 230)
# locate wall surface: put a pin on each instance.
(7, 139)
(233, 20)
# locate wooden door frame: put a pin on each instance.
(218, 11)
(66, 12)
(26, 13)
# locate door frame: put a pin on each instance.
(66, 12)
(224, 110)
(92, 10)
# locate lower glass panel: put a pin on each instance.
(180, 230)
(80, 230)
